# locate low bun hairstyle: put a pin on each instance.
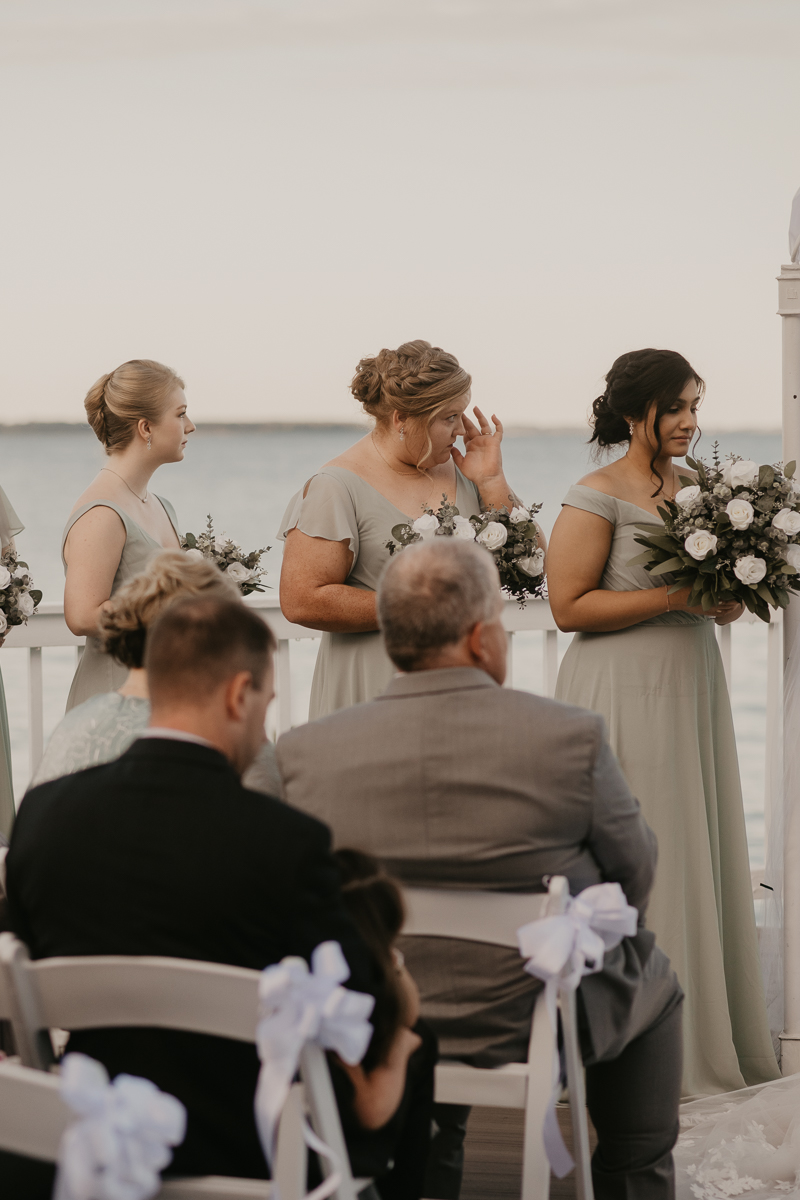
(636, 382)
(172, 575)
(136, 391)
(415, 380)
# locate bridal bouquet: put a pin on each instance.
(242, 569)
(732, 535)
(18, 597)
(511, 537)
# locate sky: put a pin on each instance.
(260, 192)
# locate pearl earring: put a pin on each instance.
(402, 433)
(630, 427)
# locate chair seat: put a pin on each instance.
(494, 1087)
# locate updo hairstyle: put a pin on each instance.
(416, 380)
(171, 575)
(375, 903)
(136, 391)
(637, 381)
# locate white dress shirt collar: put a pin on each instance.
(177, 735)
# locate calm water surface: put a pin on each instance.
(245, 478)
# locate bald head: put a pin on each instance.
(430, 601)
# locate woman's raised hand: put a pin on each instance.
(482, 460)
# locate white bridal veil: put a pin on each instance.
(748, 1142)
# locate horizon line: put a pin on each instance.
(222, 427)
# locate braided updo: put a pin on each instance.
(136, 391)
(636, 382)
(416, 380)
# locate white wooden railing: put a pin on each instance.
(48, 628)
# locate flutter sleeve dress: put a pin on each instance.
(10, 526)
(99, 672)
(339, 505)
(661, 687)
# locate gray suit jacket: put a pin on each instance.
(453, 781)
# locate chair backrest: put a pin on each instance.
(492, 917)
(32, 1114)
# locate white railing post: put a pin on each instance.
(35, 707)
(550, 661)
(789, 310)
(283, 685)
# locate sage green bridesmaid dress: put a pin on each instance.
(10, 526)
(338, 505)
(99, 672)
(661, 687)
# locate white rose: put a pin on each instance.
(741, 513)
(791, 555)
(21, 573)
(238, 572)
(788, 521)
(25, 604)
(700, 544)
(462, 528)
(533, 565)
(519, 515)
(3, 622)
(195, 555)
(426, 526)
(686, 497)
(750, 569)
(5, 577)
(740, 473)
(493, 536)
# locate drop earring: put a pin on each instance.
(402, 433)
(630, 427)
(149, 444)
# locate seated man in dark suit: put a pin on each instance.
(164, 852)
(455, 781)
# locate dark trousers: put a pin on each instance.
(633, 1102)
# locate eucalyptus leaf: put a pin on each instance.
(790, 469)
(664, 568)
(641, 560)
(691, 462)
(766, 476)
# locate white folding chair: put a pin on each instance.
(493, 918)
(98, 991)
(33, 1118)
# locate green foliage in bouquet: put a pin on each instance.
(242, 569)
(730, 535)
(18, 597)
(510, 535)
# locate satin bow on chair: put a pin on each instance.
(298, 1006)
(123, 1138)
(560, 950)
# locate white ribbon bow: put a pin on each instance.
(123, 1139)
(560, 951)
(298, 1006)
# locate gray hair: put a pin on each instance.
(431, 595)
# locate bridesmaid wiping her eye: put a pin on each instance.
(651, 666)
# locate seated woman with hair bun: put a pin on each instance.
(138, 412)
(337, 528)
(103, 727)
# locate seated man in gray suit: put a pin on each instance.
(454, 781)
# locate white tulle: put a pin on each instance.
(747, 1143)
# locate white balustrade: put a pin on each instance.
(48, 628)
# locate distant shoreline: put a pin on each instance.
(224, 428)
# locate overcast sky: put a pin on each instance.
(259, 192)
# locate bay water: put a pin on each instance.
(244, 477)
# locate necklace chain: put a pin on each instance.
(638, 472)
(408, 474)
(142, 500)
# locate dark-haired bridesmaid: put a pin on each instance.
(651, 666)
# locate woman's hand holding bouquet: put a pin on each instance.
(730, 537)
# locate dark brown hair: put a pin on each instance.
(375, 903)
(637, 381)
(201, 641)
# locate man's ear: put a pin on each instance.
(475, 641)
(236, 692)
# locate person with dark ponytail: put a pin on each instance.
(651, 666)
(138, 413)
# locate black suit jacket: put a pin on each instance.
(164, 852)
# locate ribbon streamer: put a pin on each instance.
(560, 951)
(122, 1142)
(298, 1006)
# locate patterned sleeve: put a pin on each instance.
(326, 510)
